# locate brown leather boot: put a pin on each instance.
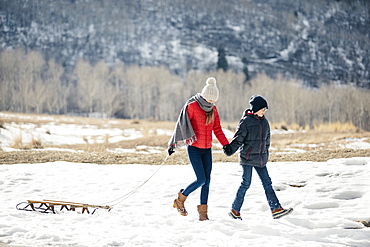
(202, 210)
(179, 203)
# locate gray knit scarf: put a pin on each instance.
(183, 129)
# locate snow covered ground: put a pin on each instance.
(53, 133)
(329, 198)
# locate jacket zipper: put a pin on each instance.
(248, 152)
(261, 141)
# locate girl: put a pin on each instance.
(197, 119)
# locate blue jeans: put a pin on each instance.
(267, 185)
(201, 160)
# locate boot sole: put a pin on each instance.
(282, 213)
(232, 216)
(183, 213)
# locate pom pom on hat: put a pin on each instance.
(210, 90)
(211, 81)
(257, 102)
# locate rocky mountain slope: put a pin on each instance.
(314, 41)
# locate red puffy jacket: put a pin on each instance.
(202, 131)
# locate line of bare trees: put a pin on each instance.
(31, 84)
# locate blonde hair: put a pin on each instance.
(209, 117)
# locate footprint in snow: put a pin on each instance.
(322, 205)
(348, 195)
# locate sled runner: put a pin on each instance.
(48, 206)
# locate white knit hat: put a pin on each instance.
(210, 90)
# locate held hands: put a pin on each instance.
(227, 149)
(170, 151)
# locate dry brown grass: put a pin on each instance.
(285, 126)
(18, 142)
(2, 125)
(36, 143)
(335, 127)
(322, 143)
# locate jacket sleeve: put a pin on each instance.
(239, 136)
(217, 129)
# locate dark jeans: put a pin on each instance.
(201, 160)
(267, 185)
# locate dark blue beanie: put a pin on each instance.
(257, 102)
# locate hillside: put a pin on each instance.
(313, 41)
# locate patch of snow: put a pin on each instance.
(356, 143)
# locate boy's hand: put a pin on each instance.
(227, 149)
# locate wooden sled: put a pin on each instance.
(46, 206)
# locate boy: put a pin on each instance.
(252, 136)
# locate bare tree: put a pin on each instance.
(86, 86)
(57, 92)
(9, 63)
(100, 79)
(37, 88)
(233, 99)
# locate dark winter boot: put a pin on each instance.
(280, 212)
(202, 210)
(179, 203)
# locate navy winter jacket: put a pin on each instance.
(252, 137)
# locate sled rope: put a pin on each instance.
(46, 206)
(127, 195)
